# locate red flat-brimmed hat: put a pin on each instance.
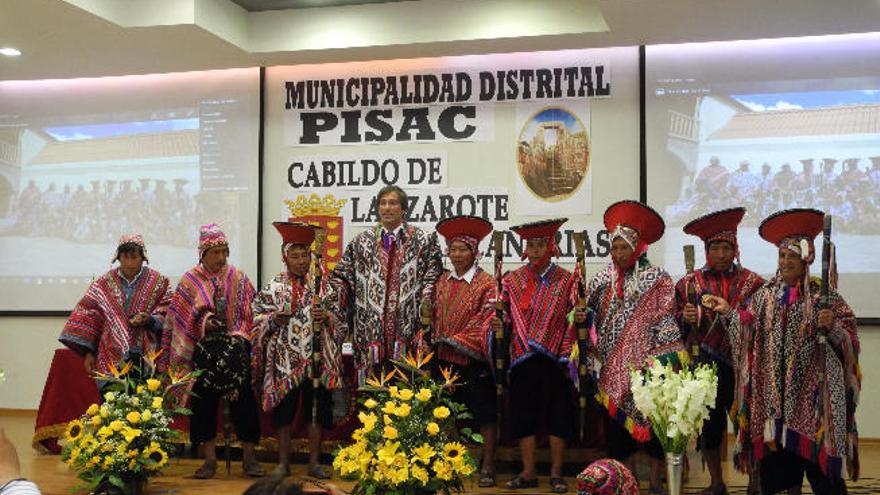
(715, 225)
(793, 223)
(296, 232)
(539, 230)
(637, 216)
(464, 225)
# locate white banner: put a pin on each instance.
(369, 171)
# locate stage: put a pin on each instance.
(54, 478)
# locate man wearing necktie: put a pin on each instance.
(378, 286)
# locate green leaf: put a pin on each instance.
(466, 432)
(477, 438)
(117, 481)
(182, 411)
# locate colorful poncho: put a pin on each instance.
(542, 327)
(282, 355)
(99, 322)
(629, 331)
(780, 395)
(462, 315)
(736, 286)
(380, 308)
(193, 303)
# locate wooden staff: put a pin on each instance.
(500, 343)
(582, 332)
(824, 303)
(316, 326)
(692, 340)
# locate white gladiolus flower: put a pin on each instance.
(676, 403)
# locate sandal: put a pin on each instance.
(558, 485)
(320, 471)
(519, 482)
(206, 471)
(253, 468)
(487, 479)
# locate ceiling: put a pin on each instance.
(262, 5)
(80, 38)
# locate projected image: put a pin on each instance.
(770, 152)
(553, 154)
(769, 125)
(85, 161)
(79, 201)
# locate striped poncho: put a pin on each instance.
(540, 322)
(99, 322)
(462, 314)
(193, 303)
(736, 286)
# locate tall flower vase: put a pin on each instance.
(674, 467)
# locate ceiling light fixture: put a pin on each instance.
(9, 51)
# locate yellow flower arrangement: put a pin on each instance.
(133, 417)
(391, 452)
(123, 440)
(424, 395)
(74, 430)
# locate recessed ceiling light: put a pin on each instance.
(9, 51)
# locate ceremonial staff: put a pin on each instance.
(582, 331)
(824, 303)
(692, 340)
(225, 399)
(316, 325)
(500, 343)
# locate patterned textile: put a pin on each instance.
(369, 280)
(607, 477)
(137, 239)
(541, 327)
(462, 314)
(99, 322)
(781, 394)
(736, 286)
(282, 355)
(628, 332)
(210, 236)
(193, 303)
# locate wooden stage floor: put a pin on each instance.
(54, 478)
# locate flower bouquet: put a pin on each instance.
(408, 442)
(116, 446)
(676, 403)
